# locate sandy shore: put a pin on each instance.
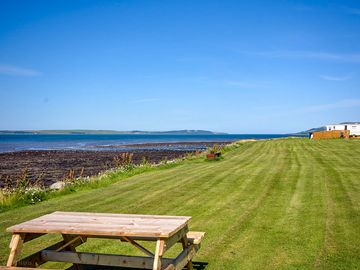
(47, 166)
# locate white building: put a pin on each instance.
(353, 127)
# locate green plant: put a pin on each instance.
(123, 159)
(8, 182)
(23, 182)
(190, 155)
(145, 161)
(70, 176)
(33, 195)
(215, 149)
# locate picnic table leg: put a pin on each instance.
(184, 242)
(15, 248)
(158, 254)
(71, 247)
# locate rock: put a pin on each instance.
(57, 185)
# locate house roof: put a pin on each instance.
(349, 123)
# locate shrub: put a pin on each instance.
(123, 159)
(215, 149)
(33, 195)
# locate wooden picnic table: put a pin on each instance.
(77, 227)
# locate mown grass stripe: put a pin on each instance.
(276, 204)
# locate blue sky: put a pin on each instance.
(233, 66)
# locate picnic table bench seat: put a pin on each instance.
(195, 237)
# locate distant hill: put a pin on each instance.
(85, 131)
(306, 132)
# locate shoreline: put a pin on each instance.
(46, 167)
(189, 146)
(12, 143)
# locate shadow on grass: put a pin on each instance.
(196, 266)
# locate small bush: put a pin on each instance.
(33, 195)
(215, 149)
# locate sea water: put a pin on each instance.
(19, 142)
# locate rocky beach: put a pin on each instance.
(45, 167)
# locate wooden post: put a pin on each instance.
(71, 247)
(184, 242)
(158, 254)
(15, 248)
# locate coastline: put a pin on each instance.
(11, 143)
(171, 146)
(49, 166)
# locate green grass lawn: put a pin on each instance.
(279, 204)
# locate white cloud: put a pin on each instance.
(18, 71)
(340, 57)
(146, 100)
(346, 103)
(336, 78)
(242, 84)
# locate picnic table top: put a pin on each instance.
(103, 224)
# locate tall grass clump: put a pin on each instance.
(24, 191)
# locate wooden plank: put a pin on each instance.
(331, 134)
(102, 224)
(184, 257)
(102, 259)
(36, 259)
(15, 248)
(106, 221)
(32, 236)
(110, 231)
(91, 226)
(109, 226)
(114, 221)
(109, 220)
(169, 242)
(78, 214)
(137, 245)
(158, 254)
(139, 218)
(69, 240)
(185, 244)
(195, 237)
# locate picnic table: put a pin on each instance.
(77, 227)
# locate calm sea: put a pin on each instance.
(10, 143)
